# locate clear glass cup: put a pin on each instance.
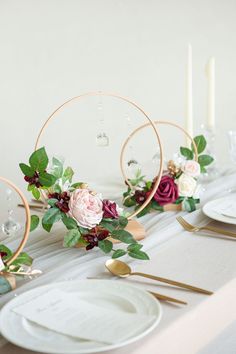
(232, 145)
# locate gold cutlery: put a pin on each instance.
(193, 228)
(167, 298)
(122, 270)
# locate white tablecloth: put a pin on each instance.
(208, 262)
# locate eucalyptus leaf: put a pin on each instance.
(186, 153)
(39, 160)
(138, 255)
(205, 160)
(34, 221)
(118, 253)
(51, 216)
(46, 179)
(27, 170)
(105, 246)
(200, 142)
(71, 238)
(123, 236)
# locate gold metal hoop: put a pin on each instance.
(142, 127)
(89, 94)
(27, 224)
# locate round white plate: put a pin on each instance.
(210, 208)
(110, 294)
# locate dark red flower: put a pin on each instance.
(109, 209)
(33, 180)
(140, 196)
(3, 254)
(63, 201)
(167, 191)
(94, 236)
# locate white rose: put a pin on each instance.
(192, 168)
(187, 185)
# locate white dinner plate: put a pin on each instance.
(210, 210)
(110, 294)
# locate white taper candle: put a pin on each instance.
(210, 72)
(189, 94)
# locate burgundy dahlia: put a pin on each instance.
(109, 209)
(63, 201)
(95, 236)
(167, 191)
(140, 196)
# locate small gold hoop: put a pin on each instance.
(89, 94)
(27, 224)
(142, 127)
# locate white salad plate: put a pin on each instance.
(216, 209)
(114, 295)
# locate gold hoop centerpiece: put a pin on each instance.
(149, 123)
(27, 223)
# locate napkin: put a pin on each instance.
(227, 208)
(68, 314)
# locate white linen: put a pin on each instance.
(203, 261)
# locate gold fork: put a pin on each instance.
(193, 228)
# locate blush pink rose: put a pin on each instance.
(85, 208)
(192, 168)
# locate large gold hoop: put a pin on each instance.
(27, 224)
(89, 94)
(156, 122)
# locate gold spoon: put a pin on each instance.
(121, 269)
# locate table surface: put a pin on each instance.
(205, 325)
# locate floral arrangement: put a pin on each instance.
(90, 220)
(178, 185)
(21, 266)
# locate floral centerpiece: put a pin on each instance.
(90, 220)
(178, 186)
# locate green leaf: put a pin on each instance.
(67, 175)
(36, 193)
(57, 169)
(139, 255)
(129, 202)
(47, 227)
(46, 179)
(69, 222)
(133, 247)
(5, 285)
(107, 225)
(34, 222)
(52, 201)
(118, 253)
(145, 211)
(123, 222)
(77, 185)
(156, 206)
(57, 188)
(39, 160)
(23, 259)
(149, 185)
(6, 250)
(27, 170)
(72, 238)
(203, 169)
(186, 153)
(52, 215)
(179, 200)
(189, 204)
(123, 236)
(105, 245)
(205, 160)
(200, 142)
